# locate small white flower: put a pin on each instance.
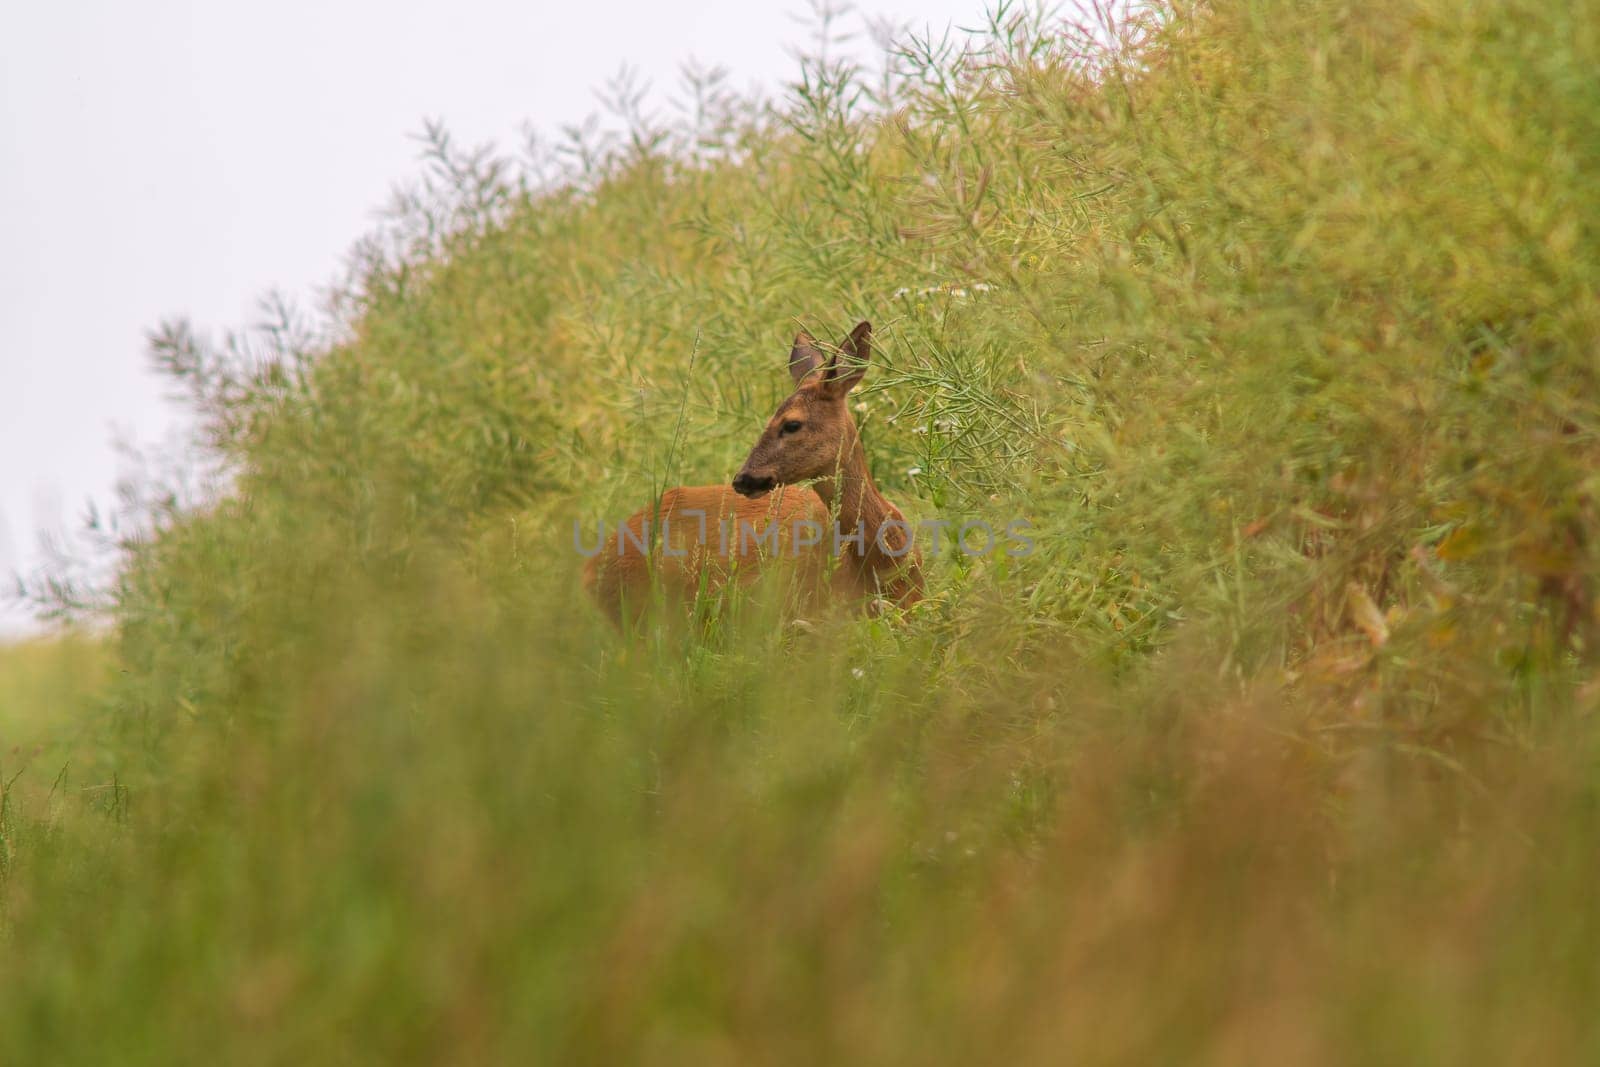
(914, 471)
(857, 672)
(959, 292)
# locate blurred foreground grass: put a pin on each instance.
(1279, 321)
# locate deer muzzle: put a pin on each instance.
(747, 484)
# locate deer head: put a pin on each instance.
(813, 434)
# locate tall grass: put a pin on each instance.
(1278, 320)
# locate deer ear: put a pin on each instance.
(849, 365)
(804, 357)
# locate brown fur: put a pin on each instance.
(620, 581)
(824, 449)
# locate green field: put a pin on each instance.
(1279, 321)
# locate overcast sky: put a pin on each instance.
(161, 159)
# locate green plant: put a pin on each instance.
(1278, 320)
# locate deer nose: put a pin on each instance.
(747, 484)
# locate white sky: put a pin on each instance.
(160, 159)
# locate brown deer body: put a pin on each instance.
(844, 542)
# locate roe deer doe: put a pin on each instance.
(846, 541)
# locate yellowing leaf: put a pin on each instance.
(1365, 615)
(1461, 543)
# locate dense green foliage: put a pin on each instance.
(1280, 322)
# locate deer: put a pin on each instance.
(803, 497)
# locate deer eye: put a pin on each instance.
(792, 426)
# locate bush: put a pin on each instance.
(1277, 320)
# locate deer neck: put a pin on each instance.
(851, 493)
(853, 497)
